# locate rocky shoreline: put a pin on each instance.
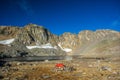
(85, 69)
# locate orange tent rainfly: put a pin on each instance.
(59, 65)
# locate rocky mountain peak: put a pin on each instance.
(33, 34)
(31, 25)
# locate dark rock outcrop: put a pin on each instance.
(13, 51)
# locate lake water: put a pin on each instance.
(35, 58)
(39, 58)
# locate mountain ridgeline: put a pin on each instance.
(34, 40)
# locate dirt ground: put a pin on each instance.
(85, 69)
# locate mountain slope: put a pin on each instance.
(38, 41)
(100, 49)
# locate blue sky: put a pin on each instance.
(61, 16)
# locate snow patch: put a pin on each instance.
(48, 45)
(7, 42)
(65, 49)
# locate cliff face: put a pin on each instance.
(37, 39)
(32, 34)
(69, 40)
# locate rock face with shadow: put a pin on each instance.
(33, 34)
(33, 40)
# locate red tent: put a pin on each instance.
(59, 65)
